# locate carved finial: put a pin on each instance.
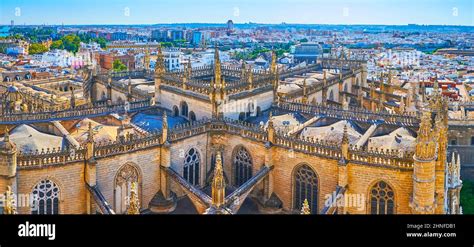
(218, 183)
(273, 67)
(305, 208)
(73, 99)
(10, 205)
(165, 120)
(217, 67)
(164, 131)
(345, 136)
(160, 63)
(134, 202)
(90, 131)
(7, 135)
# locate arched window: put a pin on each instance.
(382, 199)
(331, 95)
(259, 111)
(46, 198)
(345, 87)
(175, 111)
(250, 110)
(127, 175)
(184, 109)
(305, 187)
(242, 166)
(192, 163)
(103, 97)
(192, 116)
(242, 116)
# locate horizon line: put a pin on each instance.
(240, 23)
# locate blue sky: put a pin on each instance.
(445, 12)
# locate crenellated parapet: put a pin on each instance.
(77, 113)
(258, 133)
(356, 114)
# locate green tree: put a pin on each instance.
(71, 42)
(58, 44)
(467, 197)
(119, 66)
(36, 48)
(101, 41)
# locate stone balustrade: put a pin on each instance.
(311, 146)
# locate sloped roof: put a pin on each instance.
(399, 139)
(333, 132)
(28, 139)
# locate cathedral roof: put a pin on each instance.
(333, 132)
(399, 139)
(28, 139)
(102, 133)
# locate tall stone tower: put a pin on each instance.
(424, 176)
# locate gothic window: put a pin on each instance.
(184, 109)
(192, 116)
(331, 95)
(305, 187)
(175, 111)
(192, 162)
(382, 199)
(46, 198)
(250, 110)
(242, 166)
(242, 116)
(127, 175)
(345, 88)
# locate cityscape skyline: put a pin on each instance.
(124, 12)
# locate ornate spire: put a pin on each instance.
(218, 183)
(6, 138)
(160, 63)
(129, 88)
(134, 202)
(389, 77)
(345, 137)
(305, 92)
(164, 127)
(10, 205)
(73, 99)
(189, 68)
(217, 67)
(305, 208)
(436, 85)
(273, 66)
(146, 59)
(271, 128)
(90, 131)
(425, 145)
(345, 143)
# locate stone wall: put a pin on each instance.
(69, 178)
